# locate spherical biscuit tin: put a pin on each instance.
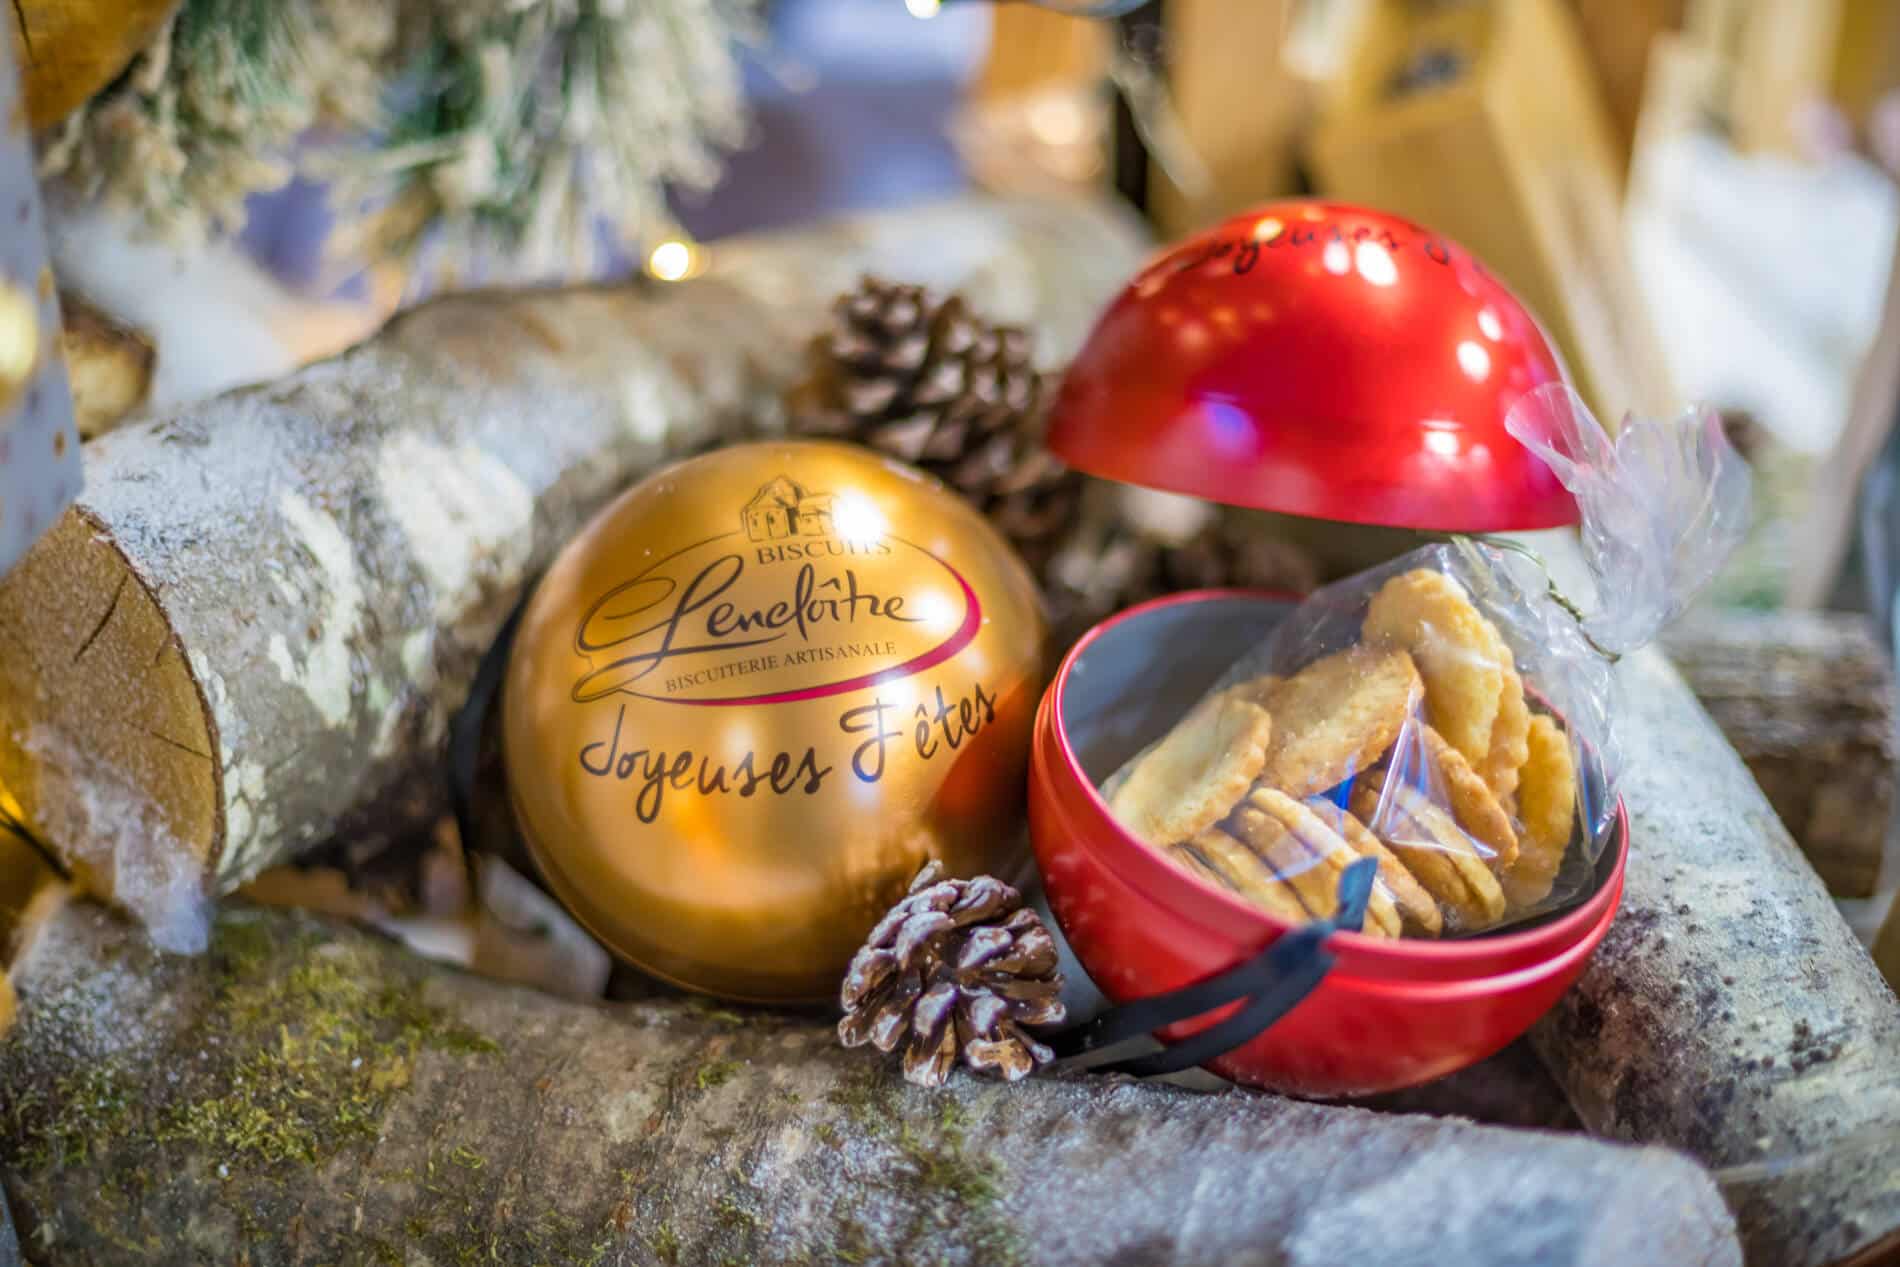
(754, 695)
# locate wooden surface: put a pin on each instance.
(1032, 48)
(1784, 61)
(1618, 36)
(1866, 56)
(1240, 107)
(1826, 534)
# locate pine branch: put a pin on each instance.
(507, 140)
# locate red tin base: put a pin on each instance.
(1392, 1013)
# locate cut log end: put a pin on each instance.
(117, 768)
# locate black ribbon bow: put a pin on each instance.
(1272, 983)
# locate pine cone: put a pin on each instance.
(1107, 567)
(958, 967)
(1101, 568)
(1226, 556)
(918, 377)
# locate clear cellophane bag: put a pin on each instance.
(1450, 713)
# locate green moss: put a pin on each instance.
(942, 1165)
(309, 1038)
(853, 1246)
(953, 1189)
(315, 1034)
(62, 1125)
(732, 1214)
(308, 1042)
(312, 1055)
(866, 1099)
(716, 1073)
(713, 1012)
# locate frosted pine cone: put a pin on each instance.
(958, 967)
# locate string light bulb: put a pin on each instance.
(923, 9)
(19, 340)
(672, 260)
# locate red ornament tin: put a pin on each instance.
(1322, 360)
(1391, 1013)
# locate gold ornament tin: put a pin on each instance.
(754, 695)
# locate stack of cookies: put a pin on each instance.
(1415, 747)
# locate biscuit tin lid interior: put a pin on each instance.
(1323, 360)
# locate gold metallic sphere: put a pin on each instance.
(754, 695)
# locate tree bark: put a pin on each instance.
(308, 1094)
(252, 632)
(1887, 946)
(1807, 700)
(1730, 1012)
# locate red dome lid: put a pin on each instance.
(1317, 359)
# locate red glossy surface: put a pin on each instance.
(1317, 359)
(1392, 1013)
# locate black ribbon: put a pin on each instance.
(17, 828)
(1272, 982)
(471, 720)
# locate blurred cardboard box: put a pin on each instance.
(1483, 121)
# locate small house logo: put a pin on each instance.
(783, 508)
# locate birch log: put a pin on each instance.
(1887, 946)
(305, 1094)
(1730, 1012)
(1807, 700)
(252, 632)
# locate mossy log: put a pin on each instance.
(309, 1094)
(1730, 1011)
(1807, 699)
(250, 634)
